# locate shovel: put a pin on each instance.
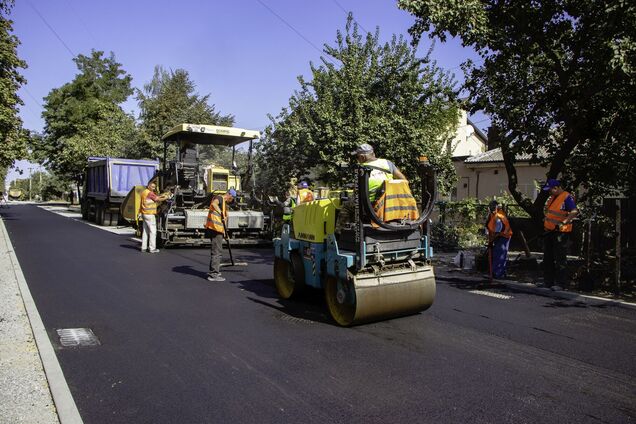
(229, 249)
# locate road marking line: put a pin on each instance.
(491, 294)
(63, 211)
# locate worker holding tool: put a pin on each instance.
(215, 229)
(560, 210)
(499, 234)
(148, 212)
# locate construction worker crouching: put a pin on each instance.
(216, 231)
(560, 210)
(148, 212)
(499, 234)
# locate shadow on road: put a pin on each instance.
(299, 310)
(187, 269)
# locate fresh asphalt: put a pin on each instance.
(176, 348)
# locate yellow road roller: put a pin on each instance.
(375, 268)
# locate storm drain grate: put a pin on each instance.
(77, 337)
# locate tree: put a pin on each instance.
(168, 100)
(83, 117)
(12, 136)
(557, 79)
(363, 92)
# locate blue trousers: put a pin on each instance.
(500, 256)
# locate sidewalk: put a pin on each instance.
(446, 271)
(30, 375)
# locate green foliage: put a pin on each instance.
(83, 117)
(12, 137)
(557, 79)
(461, 224)
(168, 100)
(54, 188)
(362, 92)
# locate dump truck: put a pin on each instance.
(107, 181)
(371, 270)
(181, 220)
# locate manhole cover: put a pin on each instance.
(77, 337)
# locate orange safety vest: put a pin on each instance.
(555, 216)
(396, 203)
(305, 195)
(215, 218)
(492, 225)
(147, 206)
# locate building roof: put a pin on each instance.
(495, 155)
(479, 132)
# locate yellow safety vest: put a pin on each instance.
(215, 218)
(147, 206)
(555, 216)
(492, 225)
(396, 203)
(377, 177)
(305, 195)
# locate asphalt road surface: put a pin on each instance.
(176, 348)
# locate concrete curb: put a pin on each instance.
(64, 403)
(532, 289)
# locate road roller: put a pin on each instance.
(370, 270)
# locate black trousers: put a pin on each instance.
(555, 250)
(216, 250)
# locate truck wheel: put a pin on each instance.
(90, 210)
(99, 214)
(84, 209)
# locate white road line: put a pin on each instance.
(491, 294)
(63, 211)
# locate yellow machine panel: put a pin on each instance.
(313, 221)
(130, 207)
(220, 180)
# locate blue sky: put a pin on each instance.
(245, 53)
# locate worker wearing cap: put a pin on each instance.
(148, 212)
(215, 229)
(381, 170)
(304, 193)
(560, 210)
(499, 234)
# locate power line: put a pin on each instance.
(51, 28)
(83, 23)
(347, 13)
(32, 96)
(292, 28)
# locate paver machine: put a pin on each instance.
(371, 270)
(182, 219)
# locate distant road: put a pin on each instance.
(176, 348)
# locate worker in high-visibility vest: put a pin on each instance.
(148, 213)
(499, 234)
(215, 230)
(381, 170)
(304, 193)
(560, 210)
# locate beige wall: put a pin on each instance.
(491, 179)
(466, 142)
